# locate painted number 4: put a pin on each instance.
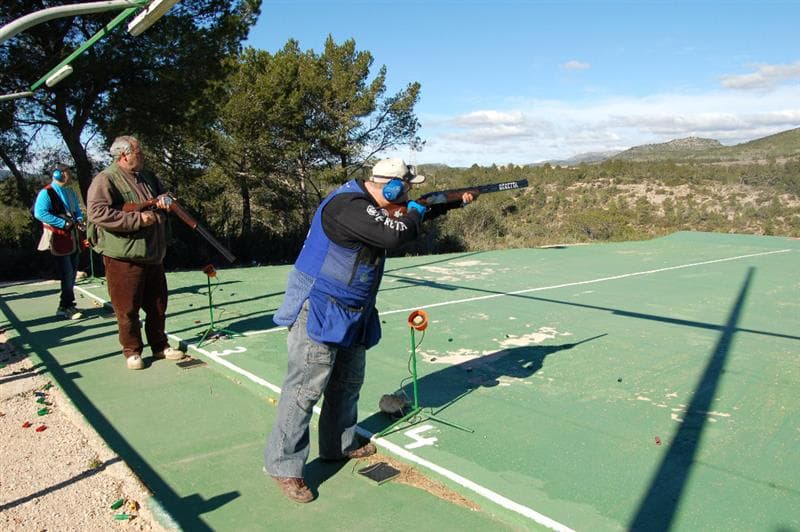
(419, 441)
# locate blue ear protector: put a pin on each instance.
(394, 189)
(58, 176)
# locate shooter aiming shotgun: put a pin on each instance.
(455, 194)
(185, 217)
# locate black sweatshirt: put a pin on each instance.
(354, 219)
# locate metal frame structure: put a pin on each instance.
(149, 12)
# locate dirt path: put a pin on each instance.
(62, 476)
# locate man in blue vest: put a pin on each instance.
(58, 209)
(329, 308)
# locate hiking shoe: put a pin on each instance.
(71, 313)
(294, 488)
(364, 451)
(134, 362)
(169, 353)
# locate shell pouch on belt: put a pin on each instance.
(340, 320)
(58, 241)
(333, 320)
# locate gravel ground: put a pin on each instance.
(62, 477)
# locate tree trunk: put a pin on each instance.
(83, 167)
(18, 177)
(301, 171)
(247, 220)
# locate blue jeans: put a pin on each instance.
(315, 369)
(67, 270)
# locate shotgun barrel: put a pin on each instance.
(186, 218)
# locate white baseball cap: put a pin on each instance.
(395, 168)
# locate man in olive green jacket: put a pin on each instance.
(133, 245)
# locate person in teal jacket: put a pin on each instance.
(58, 209)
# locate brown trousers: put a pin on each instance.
(133, 287)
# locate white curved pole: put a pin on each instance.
(23, 23)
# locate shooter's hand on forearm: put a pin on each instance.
(414, 206)
(164, 202)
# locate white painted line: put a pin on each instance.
(386, 444)
(578, 283)
(470, 485)
(542, 288)
(98, 299)
(233, 367)
(411, 457)
(250, 333)
(265, 331)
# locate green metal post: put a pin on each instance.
(414, 368)
(212, 327)
(210, 304)
(413, 416)
(82, 48)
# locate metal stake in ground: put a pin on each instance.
(418, 321)
(210, 272)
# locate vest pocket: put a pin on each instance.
(62, 242)
(333, 322)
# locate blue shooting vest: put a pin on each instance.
(340, 289)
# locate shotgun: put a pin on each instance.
(186, 218)
(454, 194)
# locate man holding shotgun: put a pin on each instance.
(329, 308)
(133, 245)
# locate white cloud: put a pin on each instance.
(492, 127)
(575, 65)
(483, 118)
(764, 77)
(537, 130)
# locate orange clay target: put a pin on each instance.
(418, 320)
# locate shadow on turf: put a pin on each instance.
(445, 387)
(661, 501)
(185, 511)
(615, 311)
(55, 487)
(318, 471)
(199, 288)
(11, 296)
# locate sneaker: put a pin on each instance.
(294, 488)
(169, 353)
(71, 313)
(364, 451)
(134, 362)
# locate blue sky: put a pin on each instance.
(526, 81)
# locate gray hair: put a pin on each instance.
(122, 146)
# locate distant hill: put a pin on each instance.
(588, 157)
(674, 149)
(784, 145)
(778, 147)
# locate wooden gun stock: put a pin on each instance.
(455, 194)
(186, 218)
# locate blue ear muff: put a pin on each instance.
(393, 189)
(57, 175)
